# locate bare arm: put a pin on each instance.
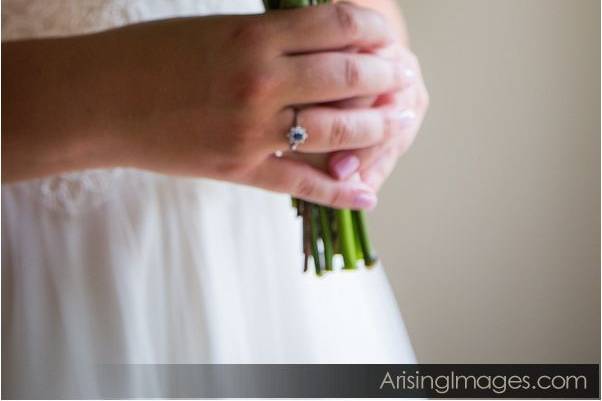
(52, 107)
(168, 96)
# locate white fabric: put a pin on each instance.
(125, 266)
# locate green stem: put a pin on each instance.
(356, 238)
(303, 208)
(359, 219)
(314, 224)
(346, 240)
(326, 237)
(349, 236)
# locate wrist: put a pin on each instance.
(53, 115)
(100, 103)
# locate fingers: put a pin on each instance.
(333, 76)
(355, 102)
(403, 137)
(378, 162)
(412, 105)
(381, 169)
(329, 27)
(402, 134)
(305, 182)
(330, 129)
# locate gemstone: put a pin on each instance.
(298, 134)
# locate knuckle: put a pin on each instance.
(255, 86)
(408, 56)
(376, 178)
(250, 33)
(337, 197)
(413, 59)
(341, 132)
(381, 21)
(306, 188)
(352, 72)
(389, 127)
(382, 169)
(347, 19)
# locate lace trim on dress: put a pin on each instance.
(75, 193)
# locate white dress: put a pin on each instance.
(126, 266)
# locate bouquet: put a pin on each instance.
(328, 232)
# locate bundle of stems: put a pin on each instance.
(326, 231)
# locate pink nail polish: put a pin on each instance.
(406, 118)
(409, 76)
(346, 166)
(364, 200)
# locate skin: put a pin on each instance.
(170, 97)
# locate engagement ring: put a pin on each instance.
(296, 135)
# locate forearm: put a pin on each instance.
(54, 104)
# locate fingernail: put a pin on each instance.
(364, 200)
(408, 76)
(346, 166)
(406, 118)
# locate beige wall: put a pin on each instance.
(490, 225)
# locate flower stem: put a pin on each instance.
(326, 237)
(359, 220)
(341, 231)
(346, 239)
(303, 211)
(314, 226)
(356, 238)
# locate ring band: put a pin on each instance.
(297, 134)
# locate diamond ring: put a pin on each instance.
(296, 135)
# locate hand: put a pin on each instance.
(375, 163)
(213, 97)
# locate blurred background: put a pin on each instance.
(490, 226)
